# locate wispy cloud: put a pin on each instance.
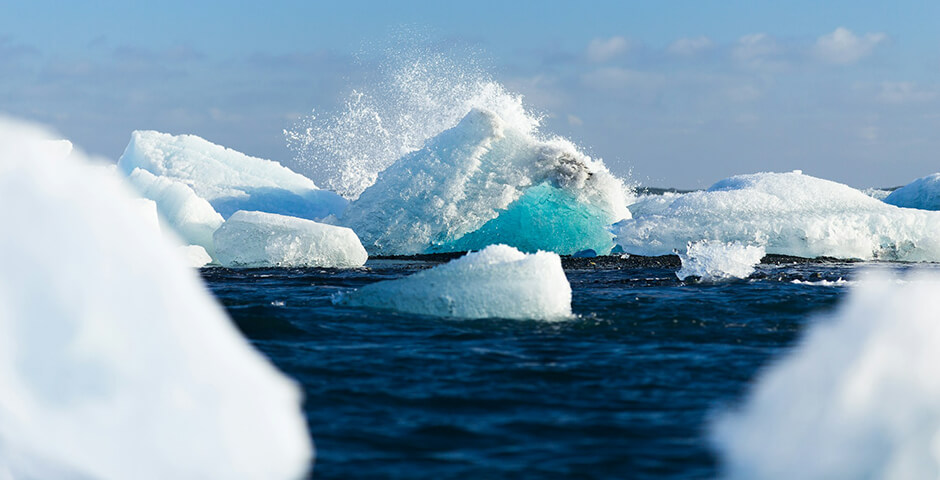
(905, 92)
(690, 45)
(758, 50)
(601, 50)
(842, 47)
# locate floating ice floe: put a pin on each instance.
(498, 281)
(228, 180)
(258, 239)
(195, 255)
(488, 181)
(187, 214)
(712, 261)
(859, 397)
(115, 361)
(923, 193)
(789, 214)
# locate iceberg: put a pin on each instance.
(115, 360)
(258, 239)
(195, 255)
(485, 181)
(496, 282)
(923, 193)
(228, 180)
(713, 261)
(858, 397)
(187, 214)
(788, 214)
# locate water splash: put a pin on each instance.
(421, 93)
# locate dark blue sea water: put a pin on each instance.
(626, 390)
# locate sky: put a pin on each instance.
(668, 93)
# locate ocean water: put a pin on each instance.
(624, 390)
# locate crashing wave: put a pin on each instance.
(487, 181)
(788, 214)
(923, 193)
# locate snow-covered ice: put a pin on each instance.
(923, 193)
(498, 281)
(485, 181)
(195, 255)
(789, 214)
(187, 214)
(712, 261)
(258, 239)
(115, 361)
(859, 397)
(227, 179)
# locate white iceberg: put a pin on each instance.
(115, 361)
(859, 397)
(923, 193)
(788, 214)
(195, 255)
(187, 214)
(487, 181)
(228, 180)
(258, 239)
(498, 281)
(712, 261)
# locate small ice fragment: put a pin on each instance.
(258, 239)
(718, 261)
(498, 281)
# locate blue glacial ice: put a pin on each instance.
(227, 179)
(496, 282)
(859, 397)
(115, 361)
(785, 213)
(489, 180)
(923, 193)
(258, 239)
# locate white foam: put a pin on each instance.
(258, 239)
(789, 214)
(498, 281)
(713, 261)
(489, 181)
(923, 193)
(859, 397)
(227, 179)
(115, 361)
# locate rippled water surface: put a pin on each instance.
(625, 390)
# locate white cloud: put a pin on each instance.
(843, 47)
(575, 121)
(600, 50)
(614, 78)
(758, 50)
(690, 46)
(904, 92)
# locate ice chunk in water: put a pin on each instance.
(788, 214)
(498, 281)
(115, 361)
(487, 181)
(859, 397)
(257, 239)
(229, 180)
(923, 193)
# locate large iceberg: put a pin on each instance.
(859, 397)
(498, 281)
(923, 193)
(258, 239)
(789, 214)
(115, 361)
(488, 180)
(228, 180)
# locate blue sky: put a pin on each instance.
(680, 93)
